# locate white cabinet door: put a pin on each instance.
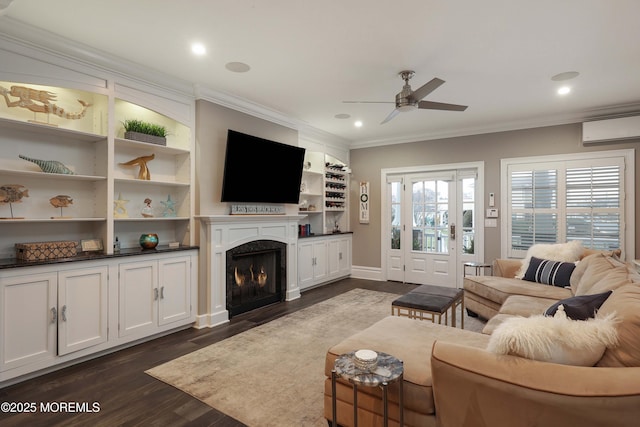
(344, 257)
(339, 257)
(28, 319)
(82, 308)
(305, 264)
(174, 289)
(320, 267)
(138, 298)
(334, 258)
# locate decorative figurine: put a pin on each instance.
(120, 210)
(60, 201)
(49, 166)
(142, 162)
(39, 101)
(12, 193)
(169, 210)
(147, 210)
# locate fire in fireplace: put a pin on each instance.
(256, 275)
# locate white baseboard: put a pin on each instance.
(369, 273)
(211, 320)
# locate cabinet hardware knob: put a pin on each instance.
(54, 315)
(155, 294)
(64, 313)
(162, 292)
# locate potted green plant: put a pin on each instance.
(139, 130)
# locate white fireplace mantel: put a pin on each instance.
(219, 233)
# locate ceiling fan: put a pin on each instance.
(409, 99)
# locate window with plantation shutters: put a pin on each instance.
(593, 203)
(550, 200)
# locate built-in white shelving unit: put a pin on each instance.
(57, 312)
(93, 147)
(324, 193)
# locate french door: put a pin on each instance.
(431, 225)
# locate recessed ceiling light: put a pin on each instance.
(237, 67)
(358, 124)
(567, 75)
(564, 90)
(342, 116)
(198, 49)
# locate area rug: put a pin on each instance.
(273, 374)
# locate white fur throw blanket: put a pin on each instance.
(565, 252)
(555, 339)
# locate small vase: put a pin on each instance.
(149, 241)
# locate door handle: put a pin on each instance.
(155, 294)
(54, 315)
(452, 231)
(64, 313)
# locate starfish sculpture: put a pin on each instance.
(169, 207)
(120, 210)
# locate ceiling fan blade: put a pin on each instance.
(390, 116)
(430, 105)
(427, 88)
(368, 102)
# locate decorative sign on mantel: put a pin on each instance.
(257, 210)
(364, 202)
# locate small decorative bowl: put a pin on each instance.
(149, 241)
(366, 360)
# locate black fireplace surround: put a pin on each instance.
(256, 275)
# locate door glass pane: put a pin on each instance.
(468, 217)
(430, 216)
(396, 187)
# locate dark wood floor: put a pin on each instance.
(129, 397)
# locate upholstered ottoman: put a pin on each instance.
(428, 302)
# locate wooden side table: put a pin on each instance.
(389, 369)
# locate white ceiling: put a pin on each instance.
(306, 57)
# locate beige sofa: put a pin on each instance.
(452, 380)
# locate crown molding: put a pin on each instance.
(63, 51)
(536, 122)
(245, 106)
(305, 131)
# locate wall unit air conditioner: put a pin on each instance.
(610, 130)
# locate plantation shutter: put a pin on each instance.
(554, 202)
(534, 207)
(593, 205)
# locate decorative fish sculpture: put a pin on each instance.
(13, 193)
(61, 201)
(49, 166)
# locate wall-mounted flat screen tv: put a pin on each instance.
(257, 170)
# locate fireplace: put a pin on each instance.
(256, 275)
(220, 234)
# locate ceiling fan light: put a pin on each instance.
(407, 107)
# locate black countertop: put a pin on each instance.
(90, 256)
(325, 234)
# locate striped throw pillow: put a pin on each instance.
(548, 272)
